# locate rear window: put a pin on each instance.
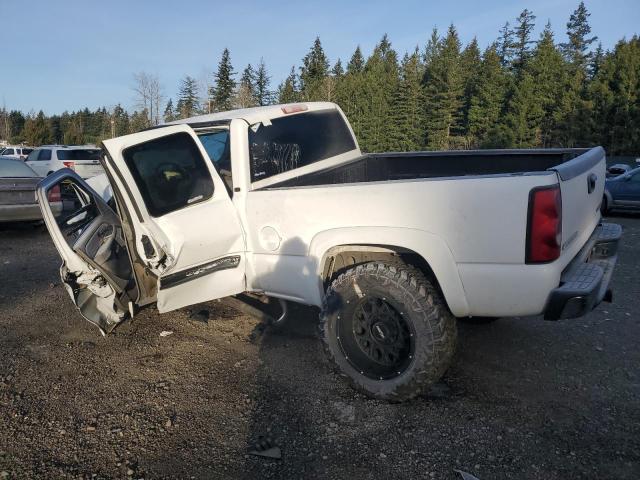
(7, 151)
(170, 173)
(79, 154)
(15, 169)
(296, 141)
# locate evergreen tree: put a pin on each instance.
(432, 48)
(379, 83)
(524, 114)
(470, 66)
(408, 114)
(337, 71)
(188, 104)
(505, 45)
(488, 99)
(578, 30)
(245, 97)
(356, 64)
(313, 73)
(615, 95)
(522, 39)
(289, 90)
(168, 112)
(222, 93)
(36, 130)
(121, 121)
(444, 92)
(16, 126)
(350, 93)
(547, 69)
(139, 121)
(596, 61)
(573, 116)
(261, 92)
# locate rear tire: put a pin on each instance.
(388, 330)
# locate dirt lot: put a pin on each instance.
(525, 398)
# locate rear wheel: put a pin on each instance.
(388, 330)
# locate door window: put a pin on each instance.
(170, 173)
(8, 151)
(73, 208)
(44, 155)
(636, 178)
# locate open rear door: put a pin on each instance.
(187, 231)
(96, 268)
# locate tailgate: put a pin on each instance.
(88, 168)
(18, 191)
(582, 187)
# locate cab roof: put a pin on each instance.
(255, 114)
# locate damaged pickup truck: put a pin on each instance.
(278, 202)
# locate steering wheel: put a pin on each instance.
(167, 171)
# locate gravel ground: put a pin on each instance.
(525, 398)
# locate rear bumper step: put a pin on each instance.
(585, 281)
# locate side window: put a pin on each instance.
(217, 146)
(33, 156)
(8, 151)
(170, 173)
(44, 155)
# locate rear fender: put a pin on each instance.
(427, 245)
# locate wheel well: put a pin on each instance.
(341, 258)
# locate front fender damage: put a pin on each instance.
(94, 298)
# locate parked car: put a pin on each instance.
(15, 151)
(617, 169)
(622, 192)
(18, 192)
(279, 202)
(50, 158)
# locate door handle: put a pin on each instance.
(591, 182)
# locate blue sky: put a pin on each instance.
(65, 55)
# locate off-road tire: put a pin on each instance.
(422, 307)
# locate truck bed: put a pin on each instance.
(414, 165)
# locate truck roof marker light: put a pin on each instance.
(294, 108)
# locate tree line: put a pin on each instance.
(519, 92)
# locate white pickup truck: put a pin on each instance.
(279, 202)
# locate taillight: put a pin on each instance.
(544, 228)
(54, 194)
(70, 165)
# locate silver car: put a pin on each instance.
(17, 192)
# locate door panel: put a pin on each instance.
(628, 190)
(185, 224)
(88, 235)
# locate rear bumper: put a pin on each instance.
(585, 281)
(19, 213)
